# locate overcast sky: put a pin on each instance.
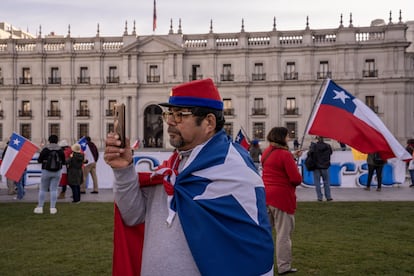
(84, 15)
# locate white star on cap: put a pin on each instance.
(341, 95)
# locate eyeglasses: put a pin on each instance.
(177, 116)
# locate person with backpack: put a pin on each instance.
(375, 164)
(321, 153)
(52, 159)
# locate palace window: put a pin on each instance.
(153, 74)
(258, 74)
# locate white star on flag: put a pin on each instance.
(340, 95)
(239, 184)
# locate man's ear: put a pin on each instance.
(211, 121)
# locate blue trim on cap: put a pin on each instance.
(192, 101)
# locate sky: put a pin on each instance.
(83, 16)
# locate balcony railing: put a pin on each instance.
(82, 113)
(228, 111)
(292, 111)
(153, 78)
(25, 80)
(195, 77)
(374, 108)
(53, 113)
(25, 113)
(112, 79)
(1, 81)
(109, 112)
(227, 77)
(259, 111)
(323, 75)
(54, 80)
(369, 73)
(259, 77)
(84, 80)
(291, 76)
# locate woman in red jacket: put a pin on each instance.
(281, 176)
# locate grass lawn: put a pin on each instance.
(336, 238)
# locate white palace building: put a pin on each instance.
(67, 86)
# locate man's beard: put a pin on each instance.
(176, 143)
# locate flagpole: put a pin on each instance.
(312, 111)
(245, 134)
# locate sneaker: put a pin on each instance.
(367, 188)
(94, 192)
(53, 211)
(378, 189)
(38, 210)
(329, 199)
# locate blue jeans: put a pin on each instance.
(20, 186)
(317, 174)
(49, 182)
(412, 176)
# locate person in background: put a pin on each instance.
(90, 167)
(212, 200)
(75, 172)
(255, 152)
(410, 165)
(281, 176)
(64, 177)
(20, 186)
(49, 180)
(321, 152)
(343, 146)
(375, 164)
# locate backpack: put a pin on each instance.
(53, 162)
(310, 162)
(378, 160)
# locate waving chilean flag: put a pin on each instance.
(18, 155)
(342, 117)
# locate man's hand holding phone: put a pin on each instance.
(119, 122)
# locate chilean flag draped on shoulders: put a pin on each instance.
(341, 116)
(220, 200)
(18, 155)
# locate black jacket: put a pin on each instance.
(321, 152)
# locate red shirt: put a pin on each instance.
(280, 177)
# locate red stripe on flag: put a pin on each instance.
(340, 125)
(20, 161)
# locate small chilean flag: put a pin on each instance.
(242, 140)
(18, 155)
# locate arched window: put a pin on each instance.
(153, 127)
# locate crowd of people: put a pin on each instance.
(61, 166)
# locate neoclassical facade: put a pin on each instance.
(67, 86)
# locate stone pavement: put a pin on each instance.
(395, 193)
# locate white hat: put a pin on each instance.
(63, 143)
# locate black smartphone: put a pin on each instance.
(119, 122)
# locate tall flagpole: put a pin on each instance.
(312, 111)
(154, 17)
